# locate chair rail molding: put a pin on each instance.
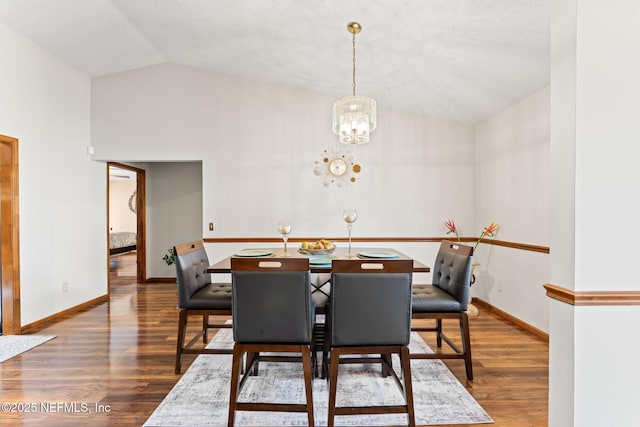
(592, 298)
(513, 245)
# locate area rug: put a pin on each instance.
(201, 396)
(12, 345)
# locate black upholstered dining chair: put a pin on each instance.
(197, 295)
(447, 298)
(369, 313)
(272, 313)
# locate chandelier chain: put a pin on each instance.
(354, 64)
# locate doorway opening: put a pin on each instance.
(126, 224)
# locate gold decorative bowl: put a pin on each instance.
(318, 251)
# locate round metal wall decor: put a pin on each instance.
(337, 166)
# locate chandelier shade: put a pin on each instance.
(354, 117)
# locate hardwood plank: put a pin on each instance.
(121, 354)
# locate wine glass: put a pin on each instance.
(349, 216)
(284, 228)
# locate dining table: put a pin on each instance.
(319, 263)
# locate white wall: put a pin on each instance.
(121, 218)
(174, 210)
(595, 209)
(258, 143)
(512, 188)
(46, 105)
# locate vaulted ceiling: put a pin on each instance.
(461, 60)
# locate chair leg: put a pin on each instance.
(308, 381)
(439, 332)
(466, 344)
(205, 329)
(403, 382)
(325, 351)
(405, 362)
(333, 384)
(253, 358)
(387, 364)
(238, 380)
(249, 361)
(314, 354)
(234, 390)
(182, 331)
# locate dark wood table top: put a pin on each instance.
(224, 265)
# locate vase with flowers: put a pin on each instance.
(488, 231)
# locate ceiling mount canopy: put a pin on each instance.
(354, 117)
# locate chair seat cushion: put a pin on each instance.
(429, 298)
(214, 296)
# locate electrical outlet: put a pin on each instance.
(65, 287)
(499, 287)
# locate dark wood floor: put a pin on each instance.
(118, 357)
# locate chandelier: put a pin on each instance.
(354, 117)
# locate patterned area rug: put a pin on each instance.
(201, 396)
(13, 345)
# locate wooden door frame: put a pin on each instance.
(10, 247)
(141, 219)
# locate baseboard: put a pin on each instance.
(495, 310)
(60, 315)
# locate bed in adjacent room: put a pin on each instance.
(122, 241)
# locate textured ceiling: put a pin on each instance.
(461, 60)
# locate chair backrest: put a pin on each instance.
(452, 271)
(370, 302)
(191, 269)
(271, 300)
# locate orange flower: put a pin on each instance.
(489, 231)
